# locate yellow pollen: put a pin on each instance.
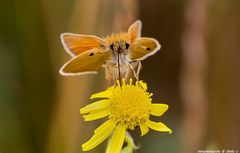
(130, 105)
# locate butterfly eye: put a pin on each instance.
(111, 46)
(127, 45)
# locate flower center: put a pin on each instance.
(130, 105)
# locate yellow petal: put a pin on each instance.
(116, 142)
(104, 94)
(144, 129)
(158, 109)
(105, 125)
(158, 126)
(96, 114)
(101, 104)
(102, 133)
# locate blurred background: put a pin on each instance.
(197, 73)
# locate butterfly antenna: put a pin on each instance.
(119, 69)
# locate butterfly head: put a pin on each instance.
(119, 46)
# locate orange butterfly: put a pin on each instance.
(117, 53)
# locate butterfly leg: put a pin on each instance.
(138, 70)
(137, 64)
(139, 67)
(132, 66)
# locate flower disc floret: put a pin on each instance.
(130, 104)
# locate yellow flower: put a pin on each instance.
(127, 107)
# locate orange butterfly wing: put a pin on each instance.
(134, 31)
(87, 62)
(142, 48)
(76, 44)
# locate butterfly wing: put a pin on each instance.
(134, 31)
(142, 48)
(76, 44)
(87, 62)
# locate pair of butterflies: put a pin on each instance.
(117, 53)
